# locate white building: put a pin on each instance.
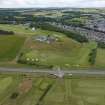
(33, 28)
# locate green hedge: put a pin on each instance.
(101, 45)
(92, 56)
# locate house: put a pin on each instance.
(48, 39)
(33, 28)
(41, 38)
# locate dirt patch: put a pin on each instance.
(25, 86)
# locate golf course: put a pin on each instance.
(23, 49)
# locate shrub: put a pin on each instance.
(101, 45)
(3, 32)
(14, 95)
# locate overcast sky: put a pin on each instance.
(51, 3)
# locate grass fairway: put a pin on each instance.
(9, 47)
(41, 90)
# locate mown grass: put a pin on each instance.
(100, 58)
(10, 46)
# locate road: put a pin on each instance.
(59, 73)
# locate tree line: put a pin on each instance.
(92, 56)
(101, 45)
(69, 34)
(3, 32)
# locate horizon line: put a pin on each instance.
(48, 7)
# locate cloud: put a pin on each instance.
(51, 3)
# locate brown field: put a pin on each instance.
(25, 86)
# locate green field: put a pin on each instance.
(22, 30)
(64, 53)
(40, 90)
(84, 91)
(17, 41)
(18, 29)
(10, 47)
(52, 14)
(100, 59)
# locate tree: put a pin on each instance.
(92, 56)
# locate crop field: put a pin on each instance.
(85, 91)
(52, 14)
(28, 89)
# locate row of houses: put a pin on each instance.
(90, 34)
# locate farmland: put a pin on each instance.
(76, 92)
(43, 38)
(100, 58)
(53, 53)
(61, 48)
(49, 55)
(10, 47)
(52, 56)
(28, 89)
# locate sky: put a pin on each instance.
(51, 3)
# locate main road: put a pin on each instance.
(59, 73)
